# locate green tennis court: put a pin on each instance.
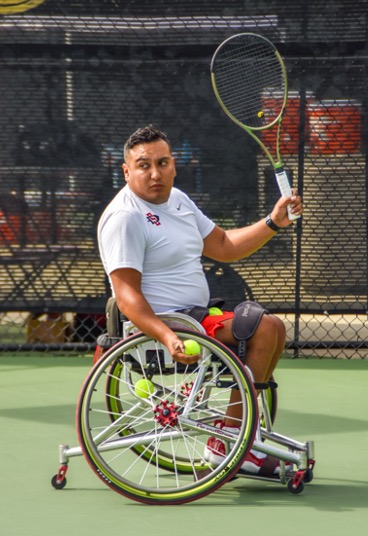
(323, 400)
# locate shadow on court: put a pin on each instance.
(298, 422)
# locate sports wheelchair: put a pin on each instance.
(149, 445)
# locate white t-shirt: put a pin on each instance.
(163, 242)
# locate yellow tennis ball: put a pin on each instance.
(191, 347)
(260, 114)
(214, 311)
(144, 388)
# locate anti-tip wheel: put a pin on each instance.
(58, 483)
(295, 488)
(308, 477)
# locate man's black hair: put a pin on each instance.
(147, 134)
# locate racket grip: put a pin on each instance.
(285, 190)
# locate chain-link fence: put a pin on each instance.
(78, 77)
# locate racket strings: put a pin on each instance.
(250, 81)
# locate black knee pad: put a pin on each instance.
(247, 316)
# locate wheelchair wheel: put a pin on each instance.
(150, 446)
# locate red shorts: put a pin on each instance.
(212, 323)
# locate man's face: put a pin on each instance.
(149, 170)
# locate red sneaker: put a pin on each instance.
(255, 463)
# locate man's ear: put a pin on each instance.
(126, 172)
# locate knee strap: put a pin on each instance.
(247, 316)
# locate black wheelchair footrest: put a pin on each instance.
(267, 385)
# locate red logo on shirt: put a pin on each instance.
(155, 220)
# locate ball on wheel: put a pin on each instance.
(144, 388)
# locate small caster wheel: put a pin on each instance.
(58, 483)
(295, 488)
(308, 477)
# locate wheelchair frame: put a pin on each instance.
(150, 446)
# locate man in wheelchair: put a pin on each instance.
(151, 239)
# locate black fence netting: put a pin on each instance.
(76, 78)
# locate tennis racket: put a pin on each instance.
(250, 83)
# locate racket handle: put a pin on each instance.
(285, 190)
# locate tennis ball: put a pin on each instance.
(144, 388)
(260, 114)
(191, 347)
(214, 311)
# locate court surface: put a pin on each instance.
(324, 400)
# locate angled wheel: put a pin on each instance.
(149, 445)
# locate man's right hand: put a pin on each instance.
(177, 350)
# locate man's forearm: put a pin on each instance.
(138, 311)
(234, 244)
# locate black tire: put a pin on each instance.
(308, 477)
(295, 489)
(57, 483)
